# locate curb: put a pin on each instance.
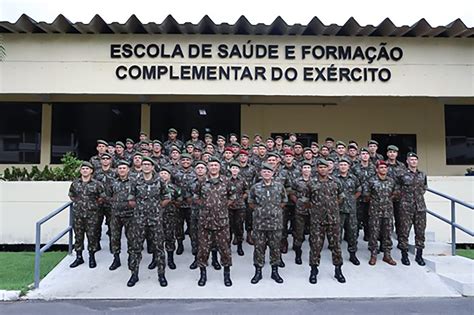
(7, 295)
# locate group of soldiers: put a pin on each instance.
(269, 189)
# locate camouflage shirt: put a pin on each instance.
(325, 196)
(395, 171)
(364, 174)
(95, 161)
(380, 193)
(268, 213)
(85, 196)
(161, 160)
(106, 177)
(413, 186)
(248, 172)
(118, 193)
(183, 178)
(300, 188)
(350, 185)
(169, 144)
(214, 195)
(237, 188)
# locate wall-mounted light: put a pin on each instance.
(202, 112)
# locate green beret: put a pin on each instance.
(352, 146)
(322, 162)
(392, 148)
(145, 150)
(174, 148)
(166, 169)
(146, 141)
(196, 163)
(138, 154)
(232, 134)
(298, 143)
(148, 159)
(245, 136)
(87, 164)
(111, 144)
(189, 142)
(254, 145)
(412, 154)
(272, 154)
(345, 159)
(266, 166)
(257, 135)
(143, 133)
(157, 142)
(341, 143)
(262, 145)
(372, 142)
(324, 146)
(288, 143)
(315, 144)
(129, 140)
(102, 142)
(194, 130)
(364, 149)
(235, 163)
(220, 137)
(236, 144)
(307, 149)
(197, 148)
(120, 144)
(330, 158)
(123, 162)
(307, 163)
(214, 159)
(208, 135)
(186, 156)
(329, 139)
(206, 153)
(172, 130)
(279, 137)
(106, 155)
(270, 138)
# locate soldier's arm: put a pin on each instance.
(251, 199)
(132, 196)
(358, 188)
(72, 192)
(284, 197)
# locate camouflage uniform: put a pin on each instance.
(214, 221)
(183, 177)
(395, 171)
(122, 214)
(325, 196)
(128, 155)
(237, 188)
(267, 220)
(248, 172)
(380, 213)
(95, 161)
(106, 177)
(300, 188)
(376, 157)
(85, 207)
(170, 216)
(364, 174)
(193, 193)
(168, 145)
(148, 221)
(288, 174)
(348, 209)
(413, 186)
(134, 174)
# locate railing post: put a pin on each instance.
(70, 231)
(37, 254)
(453, 228)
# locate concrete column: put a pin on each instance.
(145, 118)
(46, 122)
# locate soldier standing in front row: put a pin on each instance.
(267, 199)
(86, 194)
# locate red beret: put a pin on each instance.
(381, 162)
(243, 152)
(290, 152)
(228, 149)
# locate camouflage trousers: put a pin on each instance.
(363, 217)
(236, 221)
(220, 238)
(248, 219)
(417, 219)
(380, 229)
(396, 217)
(262, 239)
(194, 230)
(288, 215)
(184, 216)
(170, 218)
(105, 212)
(301, 222)
(155, 236)
(350, 229)
(117, 223)
(317, 235)
(86, 226)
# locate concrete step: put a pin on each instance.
(456, 271)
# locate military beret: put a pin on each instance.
(353, 142)
(143, 133)
(255, 145)
(236, 144)
(102, 142)
(262, 145)
(129, 140)
(220, 137)
(145, 150)
(364, 149)
(146, 141)
(120, 144)
(307, 163)
(148, 159)
(346, 160)
(194, 130)
(307, 149)
(289, 152)
(324, 147)
(207, 135)
(206, 153)
(272, 154)
(268, 167)
(87, 164)
(329, 139)
(189, 143)
(298, 143)
(107, 155)
(322, 162)
(412, 154)
(279, 137)
(352, 146)
(228, 149)
(314, 143)
(157, 142)
(235, 163)
(186, 156)
(392, 148)
(232, 134)
(257, 135)
(200, 162)
(197, 148)
(270, 139)
(288, 143)
(340, 143)
(123, 162)
(174, 148)
(111, 144)
(138, 154)
(172, 130)
(244, 152)
(245, 136)
(291, 134)
(381, 162)
(214, 159)
(165, 169)
(330, 159)
(372, 142)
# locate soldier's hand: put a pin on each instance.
(132, 203)
(100, 200)
(307, 205)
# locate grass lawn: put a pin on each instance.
(17, 268)
(469, 253)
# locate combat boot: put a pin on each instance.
(92, 262)
(282, 263)
(78, 261)
(133, 279)
(171, 263)
(313, 276)
(227, 280)
(194, 264)
(275, 275)
(419, 257)
(116, 263)
(215, 261)
(353, 259)
(235, 241)
(180, 248)
(388, 259)
(338, 274)
(298, 253)
(153, 262)
(240, 250)
(258, 275)
(284, 246)
(405, 259)
(203, 279)
(373, 259)
(162, 280)
(250, 238)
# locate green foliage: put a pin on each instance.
(68, 171)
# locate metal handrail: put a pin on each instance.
(41, 249)
(452, 222)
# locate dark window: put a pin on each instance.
(458, 120)
(405, 143)
(20, 133)
(213, 118)
(77, 126)
(304, 138)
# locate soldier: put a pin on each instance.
(197, 153)
(170, 214)
(175, 158)
(172, 141)
(101, 149)
(292, 137)
(298, 150)
(245, 142)
(122, 213)
(395, 170)
(158, 156)
(413, 185)
(324, 152)
(235, 146)
(129, 150)
(341, 151)
(279, 144)
(267, 199)
(238, 188)
(119, 153)
(189, 147)
(352, 190)
(325, 195)
(227, 158)
(233, 138)
(300, 196)
(248, 172)
(149, 197)
(136, 170)
(373, 147)
(195, 138)
(208, 139)
(213, 194)
(380, 192)
(261, 157)
(220, 146)
(270, 144)
(329, 143)
(111, 148)
(315, 148)
(86, 195)
(257, 138)
(353, 154)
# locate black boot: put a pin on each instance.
(298, 253)
(353, 259)
(313, 276)
(258, 275)
(194, 264)
(240, 251)
(275, 275)
(227, 281)
(203, 279)
(338, 274)
(133, 279)
(153, 262)
(215, 261)
(162, 280)
(419, 257)
(92, 262)
(180, 248)
(116, 263)
(282, 263)
(171, 263)
(405, 259)
(79, 260)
